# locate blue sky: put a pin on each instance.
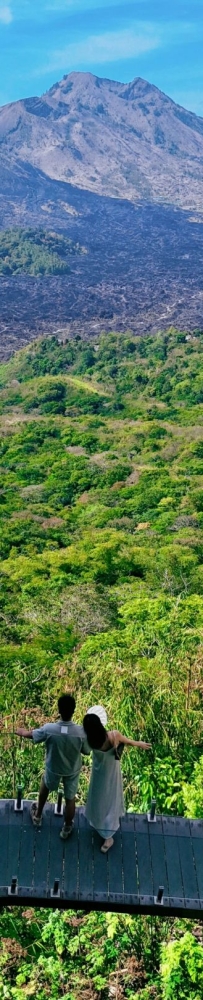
(41, 40)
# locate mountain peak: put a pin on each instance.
(123, 140)
(88, 81)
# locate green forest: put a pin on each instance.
(36, 252)
(101, 545)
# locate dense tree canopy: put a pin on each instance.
(35, 251)
(101, 593)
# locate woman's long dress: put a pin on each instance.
(105, 802)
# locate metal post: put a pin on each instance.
(151, 814)
(56, 890)
(18, 804)
(159, 898)
(59, 805)
(19, 797)
(13, 887)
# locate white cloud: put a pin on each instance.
(5, 15)
(104, 48)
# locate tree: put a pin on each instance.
(182, 969)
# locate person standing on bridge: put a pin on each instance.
(105, 802)
(65, 742)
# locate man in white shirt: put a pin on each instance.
(65, 742)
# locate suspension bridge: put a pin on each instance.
(154, 867)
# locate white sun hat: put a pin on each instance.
(100, 711)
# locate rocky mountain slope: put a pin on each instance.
(117, 169)
(120, 140)
(142, 270)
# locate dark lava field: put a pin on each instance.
(143, 267)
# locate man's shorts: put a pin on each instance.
(70, 783)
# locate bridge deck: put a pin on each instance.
(146, 855)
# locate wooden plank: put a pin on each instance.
(159, 872)
(172, 857)
(177, 906)
(26, 860)
(144, 864)
(194, 906)
(86, 859)
(70, 874)
(101, 887)
(130, 881)
(14, 841)
(188, 869)
(4, 821)
(196, 827)
(144, 873)
(182, 826)
(115, 865)
(141, 824)
(41, 850)
(197, 849)
(155, 827)
(169, 826)
(56, 852)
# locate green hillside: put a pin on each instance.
(36, 252)
(101, 546)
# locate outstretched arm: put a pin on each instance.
(37, 735)
(26, 733)
(18, 732)
(115, 738)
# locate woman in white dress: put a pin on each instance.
(105, 802)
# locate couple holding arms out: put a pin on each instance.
(65, 743)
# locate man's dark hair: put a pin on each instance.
(66, 706)
(95, 732)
